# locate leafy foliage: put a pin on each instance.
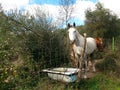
(27, 45)
(101, 23)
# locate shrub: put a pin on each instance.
(7, 76)
(49, 50)
(110, 63)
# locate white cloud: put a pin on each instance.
(79, 9)
(13, 4)
(46, 8)
(50, 10)
(53, 10)
(81, 6)
(113, 5)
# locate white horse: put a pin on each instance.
(78, 44)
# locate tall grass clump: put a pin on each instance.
(110, 64)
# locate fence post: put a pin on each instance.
(113, 44)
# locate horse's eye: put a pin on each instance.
(74, 31)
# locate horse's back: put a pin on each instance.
(91, 45)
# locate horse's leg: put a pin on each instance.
(93, 66)
(79, 62)
(88, 62)
(94, 69)
(75, 59)
(93, 62)
(85, 66)
(79, 66)
(75, 62)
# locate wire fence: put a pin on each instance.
(56, 51)
(111, 44)
(50, 52)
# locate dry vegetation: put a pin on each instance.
(28, 45)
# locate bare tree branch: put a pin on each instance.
(66, 10)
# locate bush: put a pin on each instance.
(110, 63)
(49, 50)
(7, 76)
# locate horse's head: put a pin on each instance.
(72, 32)
(99, 42)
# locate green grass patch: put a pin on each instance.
(99, 82)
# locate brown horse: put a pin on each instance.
(99, 43)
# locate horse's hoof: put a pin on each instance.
(88, 70)
(94, 70)
(84, 77)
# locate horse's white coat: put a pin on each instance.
(79, 44)
(78, 49)
(74, 36)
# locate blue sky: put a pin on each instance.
(52, 6)
(54, 2)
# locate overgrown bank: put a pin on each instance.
(28, 45)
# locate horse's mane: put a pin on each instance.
(79, 39)
(90, 45)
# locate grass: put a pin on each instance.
(99, 82)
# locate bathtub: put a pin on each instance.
(62, 74)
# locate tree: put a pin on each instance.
(66, 10)
(101, 22)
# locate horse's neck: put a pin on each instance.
(90, 43)
(79, 40)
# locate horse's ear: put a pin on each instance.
(68, 26)
(74, 24)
